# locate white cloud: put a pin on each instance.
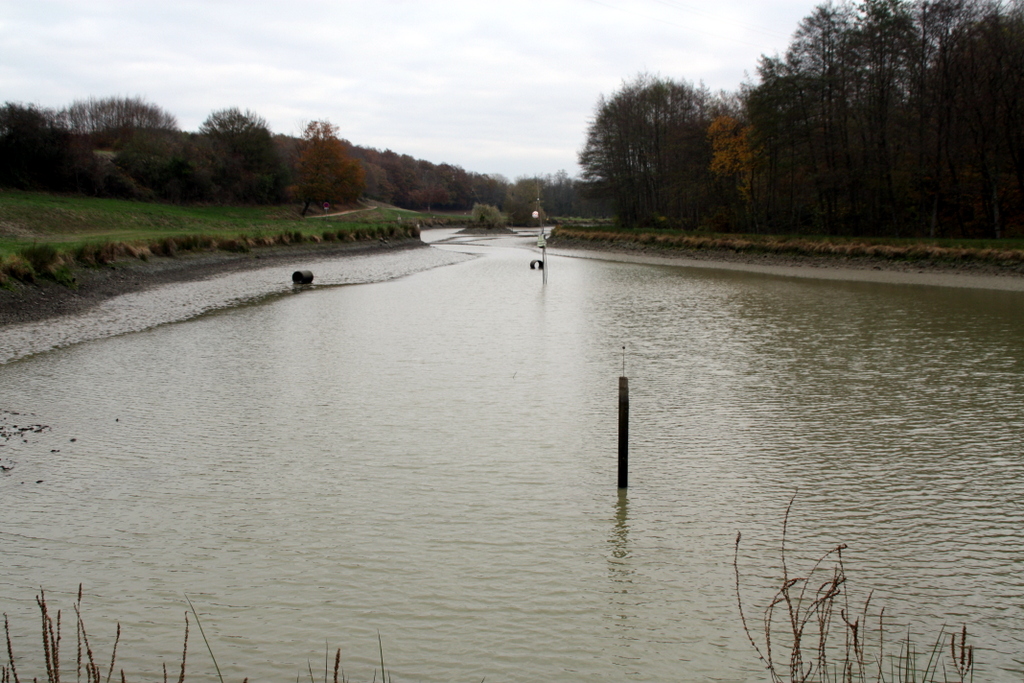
(494, 87)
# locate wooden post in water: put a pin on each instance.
(623, 432)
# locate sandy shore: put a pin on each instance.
(969, 275)
(46, 299)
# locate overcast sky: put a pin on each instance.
(492, 86)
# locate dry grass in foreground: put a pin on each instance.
(811, 634)
(97, 669)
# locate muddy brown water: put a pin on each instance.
(431, 456)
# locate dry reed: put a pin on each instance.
(85, 660)
(88, 663)
(802, 647)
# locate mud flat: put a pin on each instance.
(46, 299)
(863, 269)
(134, 296)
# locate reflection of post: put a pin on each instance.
(627, 595)
(623, 432)
(624, 605)
(620, 536)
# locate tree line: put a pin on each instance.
(412, 183)
(884, 118)
(129, 148)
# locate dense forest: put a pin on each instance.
(885, 118)
(130, 148)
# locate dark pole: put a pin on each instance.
(623, 432)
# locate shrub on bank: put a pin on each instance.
(487, 216)
(15, 266)
(35, 261)
(41, 257)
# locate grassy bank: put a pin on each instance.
(46, 235)
(1007, 254)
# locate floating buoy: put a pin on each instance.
(302, 277)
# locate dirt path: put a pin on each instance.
(343, 213)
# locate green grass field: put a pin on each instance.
(43, 234)
(35, 217)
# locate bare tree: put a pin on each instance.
(111, 121)
(647, 150)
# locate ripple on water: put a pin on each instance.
(433, 457)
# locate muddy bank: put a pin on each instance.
(935, 273)
(176, 294)
(46, 299)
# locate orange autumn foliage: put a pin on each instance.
(325, 171)
(732, 155)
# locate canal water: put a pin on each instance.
(424, 465)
